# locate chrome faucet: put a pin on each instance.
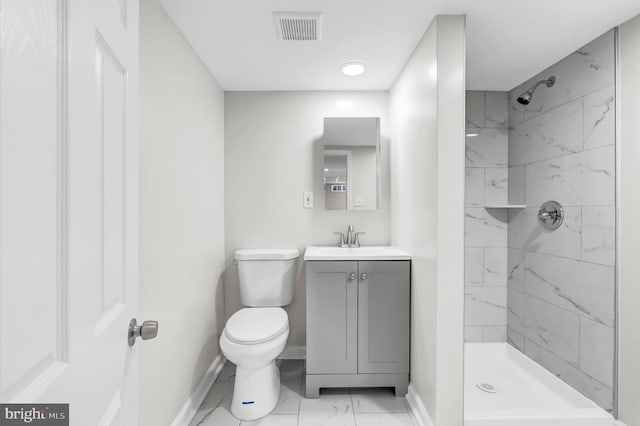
(351, 240)
(350, 232)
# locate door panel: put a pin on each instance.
(68, 167)
(383, 317)
(32, 196)
(111, 90)
(331, 318)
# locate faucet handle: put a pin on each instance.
(356, 239)
(341, 243)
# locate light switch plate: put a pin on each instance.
(307, 201)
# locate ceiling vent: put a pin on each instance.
(298, 26)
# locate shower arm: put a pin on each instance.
(549, 82)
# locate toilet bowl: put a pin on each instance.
(252, 340)
(253, 337)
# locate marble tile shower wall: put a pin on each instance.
(486, 229)
(561, 283)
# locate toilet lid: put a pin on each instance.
(256, 325)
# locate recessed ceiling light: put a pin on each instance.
(472, 134)
(352, 68)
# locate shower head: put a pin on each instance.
(525, 98)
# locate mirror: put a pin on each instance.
(351, 176)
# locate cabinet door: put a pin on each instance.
(383, 318)
(332, 317)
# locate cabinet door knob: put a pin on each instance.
(352, 276)
(363, 276)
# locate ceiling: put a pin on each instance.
(508, 41)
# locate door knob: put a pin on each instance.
(148, 330)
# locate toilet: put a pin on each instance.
(254, 336)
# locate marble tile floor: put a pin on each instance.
(335, 407)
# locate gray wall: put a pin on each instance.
(486, 229)
(561, 283)
(181, 216)
(272, 156)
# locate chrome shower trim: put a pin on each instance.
(525, 98)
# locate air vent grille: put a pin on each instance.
(298, 26)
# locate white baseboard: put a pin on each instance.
(417, 410)
(189, 409)
(294, 352)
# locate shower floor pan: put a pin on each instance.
(503, 387)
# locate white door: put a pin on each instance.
(68, 191)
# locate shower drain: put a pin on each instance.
(486, 387)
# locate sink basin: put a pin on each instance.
(359, 253)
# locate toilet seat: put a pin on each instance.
(251, 326)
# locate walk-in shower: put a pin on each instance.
(525, 98)
(540, 224)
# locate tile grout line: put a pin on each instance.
(304, 367)
(573, 100)
(559, 307)
(353, 407)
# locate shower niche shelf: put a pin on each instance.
(505, 206)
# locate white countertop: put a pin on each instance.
(359, 253)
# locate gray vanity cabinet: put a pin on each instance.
(332, 317)
(357, 324)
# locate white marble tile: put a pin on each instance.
(557, 132)
(274, 420)
(377, 400)
(496, 109)
(485, 306)
(328, 410)
(515, 339)
(598, 234)
(474, 333)
(495, 266)
(473, 266)
(525, 232)
(384, 419)
(228, 373)
(474, 109)
(585, 178)
(516, 185)
(496, 188)
(599, 118)
(596, 350)
(218, 417)
(485, 227)
(594, 390)
(515, 269)
(290, 385)
(488, 149)
(516, 111)
(218, 399)
(545, 324)
(584, 288)
(495, 333)
(584, 71)
(474, 187)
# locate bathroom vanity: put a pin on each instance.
(358, 307)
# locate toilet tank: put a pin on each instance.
(267, 277)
